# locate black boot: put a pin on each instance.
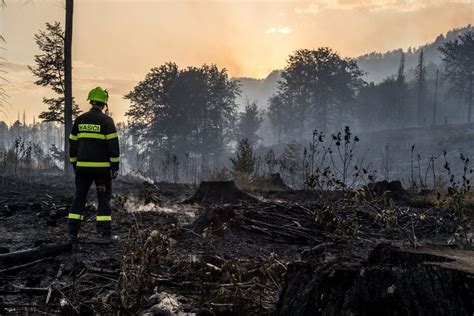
(109, 238)
(74, 226)
(72, 238)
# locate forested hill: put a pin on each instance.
(378, 66)
(381, 65)
(259, 90)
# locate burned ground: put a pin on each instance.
(277, 252)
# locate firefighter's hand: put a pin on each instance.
(114, 173)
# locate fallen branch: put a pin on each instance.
(103, 271)
(51, 286)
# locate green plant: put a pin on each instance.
(243, 164)
(290, 164)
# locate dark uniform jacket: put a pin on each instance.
(94, 145)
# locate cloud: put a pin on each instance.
(317, 6)
(312, 8)
(280, 30)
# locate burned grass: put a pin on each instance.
(211, 258)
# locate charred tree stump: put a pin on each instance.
(274, 182)
(219, 192)
(393, 189)
(425, 281)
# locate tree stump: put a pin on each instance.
(274, 182)
(219, 192)
(393, 189)
(425, 281)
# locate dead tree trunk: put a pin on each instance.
(68, 83)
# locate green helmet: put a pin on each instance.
(98, 94)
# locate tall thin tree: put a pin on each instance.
(420, 74)
(435, 97)
(401, 87)
(68, 81)
(3, 92)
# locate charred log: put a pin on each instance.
(29, 255)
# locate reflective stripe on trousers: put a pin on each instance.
(75, 216)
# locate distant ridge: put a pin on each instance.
(381, 65)
(259, 90)
(378, 66)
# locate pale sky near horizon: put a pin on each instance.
(116, 42)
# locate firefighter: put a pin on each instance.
(94, 154)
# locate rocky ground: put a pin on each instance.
(219, 250)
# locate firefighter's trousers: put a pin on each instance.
(103, 185)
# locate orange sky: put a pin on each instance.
(117, 41)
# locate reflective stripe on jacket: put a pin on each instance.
(94, 144)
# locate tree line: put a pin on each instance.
(192, 112)
(24, 147)
(58, 52)
(318, 89)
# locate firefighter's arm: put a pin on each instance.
(73, 145)
(113, 145)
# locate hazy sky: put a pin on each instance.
(116, 42)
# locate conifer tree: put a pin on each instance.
(420, 76)
(243, 163)
(50, 71)
(249, 123)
